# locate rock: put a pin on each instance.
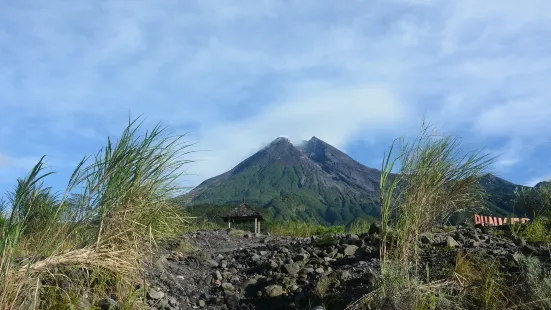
(107, 304)
(291, 269)
(273, 290)
(163, 303)
(209, 280)
(212, 263)
(172, 301)
(426, 239)
(232, 300)
(272, 264)
(451, 243)
(217, 275)
(155, 294)
(202, 303)
(301, 257)
(307, 270)
(344, 275)
(320, 270)
(228, 287)
(350, 250)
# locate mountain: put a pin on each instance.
(501, 194)
(313, 182)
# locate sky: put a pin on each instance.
(235, 75)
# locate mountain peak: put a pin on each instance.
(281, 139)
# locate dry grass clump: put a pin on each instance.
(115, 207)
(435, 179)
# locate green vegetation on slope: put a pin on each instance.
(278, 189)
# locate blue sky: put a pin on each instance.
(237, 74)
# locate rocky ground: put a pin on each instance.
(230, 269)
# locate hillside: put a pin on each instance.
(313, 182)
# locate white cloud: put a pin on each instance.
(521, 118)
(239, 75)
(5, 161)
(336, 116)
(536, 179)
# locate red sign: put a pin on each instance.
(497, 221)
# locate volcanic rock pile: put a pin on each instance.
(229, 269)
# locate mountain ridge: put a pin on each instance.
(314, 181)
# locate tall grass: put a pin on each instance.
(435, 178)
(115, 206)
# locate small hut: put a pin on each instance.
(242, 214)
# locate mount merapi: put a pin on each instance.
(314, 182)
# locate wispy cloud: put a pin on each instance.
(238, 75)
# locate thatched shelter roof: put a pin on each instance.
(243, 212)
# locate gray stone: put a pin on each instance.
(209, 280)
(344, 275)
(272, 264)
(232, 300)
(307, 270)
(107, 303)
(320, 270)
(202, 303)
(291, 269)
(155, 294)
(163, 303)
(273, 290)
(172, 301)
(228, 287)
(426, 239)
(350, 249)
(451, 243)
(212, 263)
(301, 257)
(217, 275)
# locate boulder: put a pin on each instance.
(273, 291)
(451, 243)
